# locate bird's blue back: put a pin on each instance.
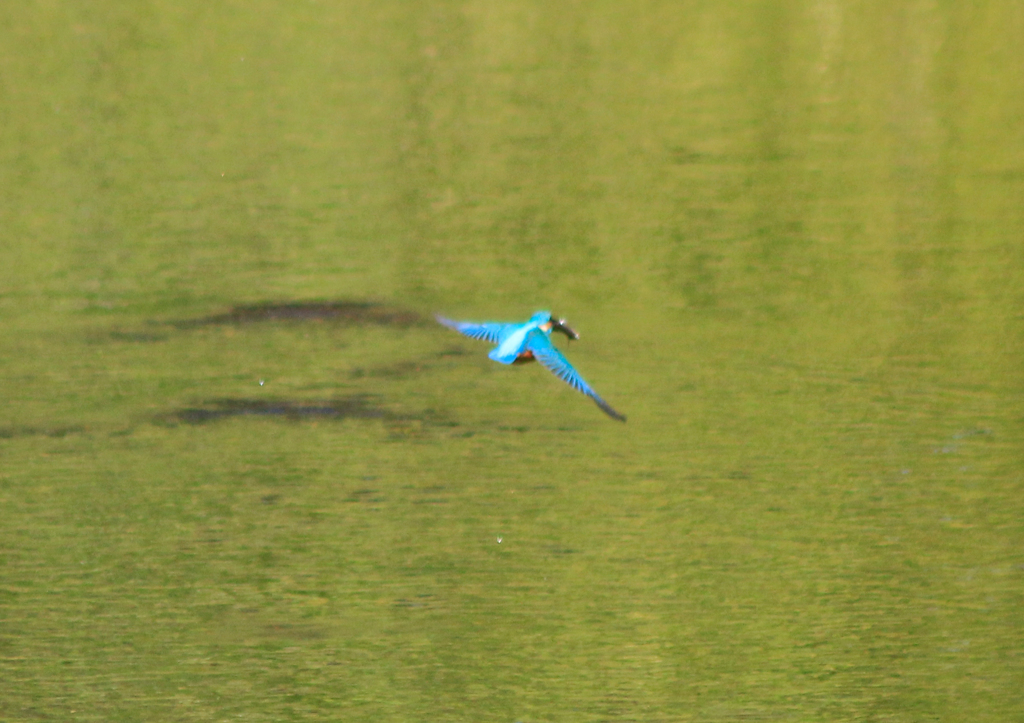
(535, 340)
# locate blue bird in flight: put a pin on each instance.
(531, 341)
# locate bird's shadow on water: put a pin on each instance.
(337, 312)
(344, 312)
(341, 312)
(359, 406)
(356, 406)
(55, 432)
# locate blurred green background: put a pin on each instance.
(791, 235)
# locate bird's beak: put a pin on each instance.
(560, 325)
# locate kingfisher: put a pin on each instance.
(531, 341)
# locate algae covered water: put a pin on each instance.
(245, 475)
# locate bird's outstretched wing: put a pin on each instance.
(491, 332)
(546, 353)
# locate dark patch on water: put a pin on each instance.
(293, 632)
(53, 432)
(423, 600)
(364, 495)
(136, 336)
(398, 370)
(431, 501)
(340, 312)
(358, 406)
(683, 155)
(345, 313)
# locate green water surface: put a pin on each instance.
(790, 234)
